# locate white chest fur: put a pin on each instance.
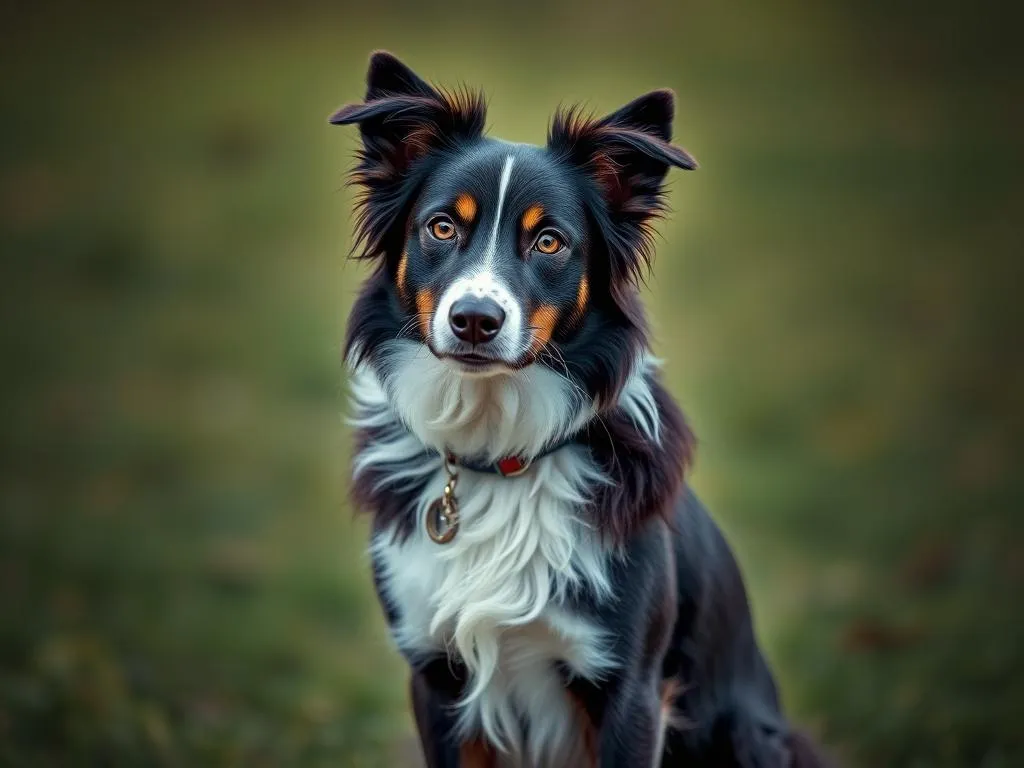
(494, 596)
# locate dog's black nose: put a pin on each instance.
(476, 319)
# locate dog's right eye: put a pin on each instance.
(441, 228)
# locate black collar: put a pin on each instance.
(506, 466)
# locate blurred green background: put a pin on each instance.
(182, 582)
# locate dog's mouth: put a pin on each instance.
(474, 359)
(475, 362)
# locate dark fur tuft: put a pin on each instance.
(402, 122)
(627, 156)
(374, 492)
(645, 477)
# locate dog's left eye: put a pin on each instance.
(441, 227)
(548, 242)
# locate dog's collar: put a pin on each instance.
(442, 516)
(506, 466)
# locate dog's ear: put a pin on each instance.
(389, 76)
(627, 156)
(402, 120)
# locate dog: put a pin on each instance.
(560, 595)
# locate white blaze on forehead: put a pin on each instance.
(492, 244)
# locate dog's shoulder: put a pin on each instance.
(643, 446)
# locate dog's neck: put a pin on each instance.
(521, 413)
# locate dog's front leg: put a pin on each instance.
(633, 728)
(435, 691)
(632, 721)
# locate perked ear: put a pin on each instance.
(627, 155)
(402, 120)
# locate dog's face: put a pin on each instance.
(497, 256)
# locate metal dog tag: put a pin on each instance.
(442, 519)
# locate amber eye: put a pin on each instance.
(442, 228)
(548, 242)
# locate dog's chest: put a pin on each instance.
(417, 582)
(495, 597)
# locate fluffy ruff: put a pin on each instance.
(492, 596)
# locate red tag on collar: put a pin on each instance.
(510, 466)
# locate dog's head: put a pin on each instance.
(498, 256)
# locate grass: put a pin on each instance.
(183, 583)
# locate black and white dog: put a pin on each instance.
(560, 595)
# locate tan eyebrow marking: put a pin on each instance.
(542, 323)
(532, 216)
(425, 310)
(403, 267)
(465, 206)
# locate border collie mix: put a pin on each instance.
(560, 595)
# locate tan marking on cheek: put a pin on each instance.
(403, 267)
(542, 323)
(532, 216)
(425, 310)
(582, 296)
(465, 206)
